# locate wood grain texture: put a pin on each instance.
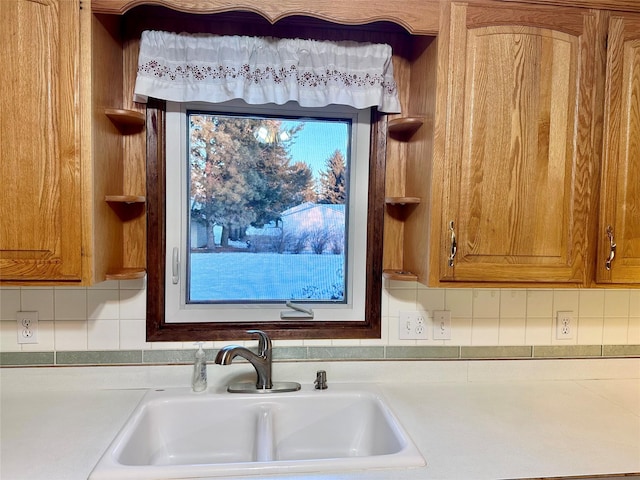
(416, 16)
(420, 161)
(620, 187)
(619, 5)
(134, 158)
(518, 160)
(40, 206)
(107, 140)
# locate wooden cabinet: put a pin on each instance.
(619, 224)
(516, 150)
(41, 214)
(71, 206)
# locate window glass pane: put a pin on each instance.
(268, 216)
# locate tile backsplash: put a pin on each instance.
(488, 322)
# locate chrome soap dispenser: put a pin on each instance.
(199, 380)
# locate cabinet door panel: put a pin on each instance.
(40, 230)
(516, 184)
(620, 191)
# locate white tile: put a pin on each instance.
(461, 332)
(103, 304)
(616, 303)
(133, 304)
(486, 331)
(459, 301)
(401, 300)
(316, 342)
(9, 337)
(633, 337)
(538, 331)
(384, 303)
(106, 285)
(170, 345)
(634, 303)
(513, 303)
(402, 285)
(345, 342)
(591, 303)
(39, 300)
(616, 331)
(9, 303)
(589, 330)
(137, 284)
(133, 334)
(486, 303)
(540, 303)
(46, 340)
(430, 299)
(70, 335)
(565, 300)
(512, 331)
(393, 329)
(103, 335)
(70, 303)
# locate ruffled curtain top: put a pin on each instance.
(201, 67)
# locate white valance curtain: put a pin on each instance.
(200, 67)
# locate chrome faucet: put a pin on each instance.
(261, 362)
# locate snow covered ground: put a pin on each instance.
(266, 276)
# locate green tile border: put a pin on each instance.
(475, 352)
(290, 353)
(320, 353)
(107, 357)
(567, 351)
(621, 350)
(174, 356)
(346, 353)
(393, 352)
(26, 358)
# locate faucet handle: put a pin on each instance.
(264, 342)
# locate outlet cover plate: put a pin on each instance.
(442, 325)
(412, 326)
(27, 324)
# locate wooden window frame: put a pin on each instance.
(158, 330)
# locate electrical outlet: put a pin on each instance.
(27, 327)
(442, 325)
(412, 326)
(564, 325)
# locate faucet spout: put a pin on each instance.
(260, 361)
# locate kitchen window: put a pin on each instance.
(295, 85)
(272, 209)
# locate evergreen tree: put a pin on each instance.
(239, 178)
(333, 181)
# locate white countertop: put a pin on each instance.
(471, 420)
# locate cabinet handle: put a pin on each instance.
(612, 248)
(454, 244)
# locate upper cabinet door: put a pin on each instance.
(514, 169)
(619, 230)
(40, 210)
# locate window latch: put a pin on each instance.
(298, 311)
(175, 266)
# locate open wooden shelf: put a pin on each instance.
(399, 275)
(125, 118)
(401, 200)
(405, 126)
(125, 199)
(126, 274)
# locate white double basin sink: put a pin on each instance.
(179, 434)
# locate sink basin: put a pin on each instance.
(180, 434)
